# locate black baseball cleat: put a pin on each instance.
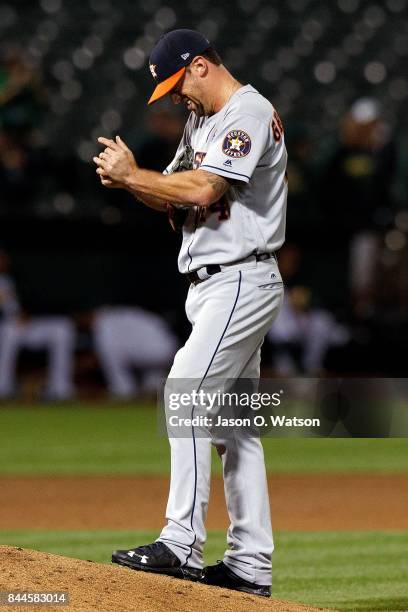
(220, 575)
(156, 558)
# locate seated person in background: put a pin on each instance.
(301, 335)
(357, 200)
(55, 334)
(129, 337)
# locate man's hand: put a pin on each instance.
(117, 168)
(115, 164)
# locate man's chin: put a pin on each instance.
(195, 108)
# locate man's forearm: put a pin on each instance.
(188, 188)
(117, 168)
(150, 201)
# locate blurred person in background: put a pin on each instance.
(22, 94)
(165, 129)
(302, 335)
(356, 197)
(304, 331)
(129, 338)
(302, 187)
(18, 330)
(23, 169)
(24, 162)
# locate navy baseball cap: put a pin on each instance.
(170, 56)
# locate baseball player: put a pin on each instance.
(129, 337)
(226, 189)
(55, 334)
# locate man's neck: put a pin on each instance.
(225, 89)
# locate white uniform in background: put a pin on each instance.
(315, 331)
(230, 312)
(131, 338)
(55, 334)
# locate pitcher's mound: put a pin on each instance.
(110, 588)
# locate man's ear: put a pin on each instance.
(199, 66)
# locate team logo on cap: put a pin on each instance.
(236, 144)
(153, 70)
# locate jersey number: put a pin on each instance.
(222, 208)
(277, 127)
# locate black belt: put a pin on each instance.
(212, 269)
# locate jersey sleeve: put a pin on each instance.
(237, 147)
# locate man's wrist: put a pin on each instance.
(130, 182)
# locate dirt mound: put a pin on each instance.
(94, 586)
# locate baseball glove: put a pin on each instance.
(178, 213)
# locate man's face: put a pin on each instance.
(187, 91)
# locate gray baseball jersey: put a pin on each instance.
(243, 142)
(230, 315)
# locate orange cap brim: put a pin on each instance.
(166, 86)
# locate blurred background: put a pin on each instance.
(91, 301)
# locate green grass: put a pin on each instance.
(86, 439)
(345, 571)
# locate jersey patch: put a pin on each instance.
(237, 143)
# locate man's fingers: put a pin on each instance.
(102, 172)
(109, 183)
(122, 144)
(98, 161)
(111, 144)
(108, 142)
